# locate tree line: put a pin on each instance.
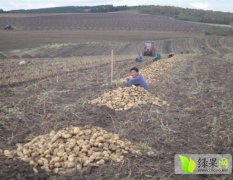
(187, 14)
(73, 9)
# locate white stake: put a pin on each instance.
(112, 67)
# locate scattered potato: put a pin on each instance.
(7, 153)
(71, 149)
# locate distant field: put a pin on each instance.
(65, 35)
(78, 43)
(100, 21)
(46, 44)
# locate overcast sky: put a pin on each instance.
(219, 5)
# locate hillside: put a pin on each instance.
(100, 21)
(176, 12)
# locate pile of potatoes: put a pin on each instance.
(159, 67)
(71, 149)
(126, 98)
(151, 72)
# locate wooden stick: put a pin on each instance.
(112, 68)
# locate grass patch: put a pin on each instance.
(6, 113)
(144, 146)
(218, 31)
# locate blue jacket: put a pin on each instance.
(138, 81)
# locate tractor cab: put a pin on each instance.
(149, 48)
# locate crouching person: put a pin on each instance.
(139, 58)
(136, 79)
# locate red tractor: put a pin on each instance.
(149, 48)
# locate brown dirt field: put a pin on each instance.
(100, 21)
(198, 89)
(43, 44)
(51, 91)
(31, 39)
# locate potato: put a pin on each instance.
(96, 143)
(112, 147)
(87, 132)
(76, 149)
(116, 137)
(26, 151)
(78, 167)
(88, 146)
(118, 151)
(52, 133)
(65, 156)
(20, 154)
(55, 159)
(92, 158)
(90, 152)
(100, 162)
(69, 164)
(35, 170)
(51, 166)
(60, 153)
(46, 168)
(7, 153)
(55, 138)
(106, 154)
(95, 135)
(86, 163)
(26, 159)
(40, 162)
(76, 130)
(71, 158)
(70, 171)
(83, 158)
(80, 133)
(119, 159)
(100, 145)
(57, 164)
(79, 142)
(61, 146)
(56, 170)
(48, 151)
(84, 149)
(47, 156)
(19, 147)
(106, 136)
(66, 135)
(35, 154)
(73, 142)
(136, 152)
(125, 152)
(97, 153)
(68, 149)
